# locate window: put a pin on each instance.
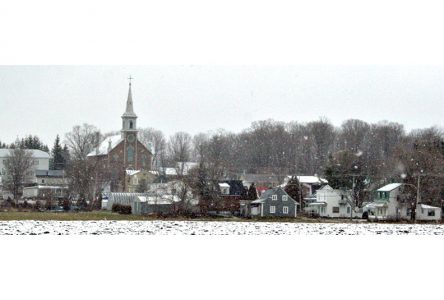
(272, 209)
(284, 198)
(348, 209)
(274, 197)
(431, 213)
(285, 209)
(335, 209)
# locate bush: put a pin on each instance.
(121, 209)
(66, 204)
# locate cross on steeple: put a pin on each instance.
(130, 78)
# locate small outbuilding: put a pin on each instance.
(428, 213)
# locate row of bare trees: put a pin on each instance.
(357, 150)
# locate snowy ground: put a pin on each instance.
(206, 228)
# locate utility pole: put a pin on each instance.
(353, 198)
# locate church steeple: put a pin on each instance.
(129, 112)
(129, 117)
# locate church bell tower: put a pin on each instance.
(129, 132)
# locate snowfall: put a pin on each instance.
(211, 228)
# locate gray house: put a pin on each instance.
(274, 203)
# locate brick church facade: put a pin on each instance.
(119, 153)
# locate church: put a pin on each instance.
(119, 154)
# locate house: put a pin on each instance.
(390, 204)
(40, 163)
(386, 204)
(224, 189)
(45, 192)
(428, 213)
(309, 185)
(51, 177)
(274, 203)
(333, 203)
(138, 180)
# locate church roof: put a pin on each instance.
(104, 148)
(129, 112)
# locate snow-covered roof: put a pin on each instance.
(311, 179)
(50, 187)
(389, 187)
(131, 172)
(224, 185)
(425, 206)
(317, 204)
(326, 188)
(35, 153)
(103, 147)
(375, 205)
(165, 199)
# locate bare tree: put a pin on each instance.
(84, 174)
(18, 165)
(179, 148)
(157, 140)
(82, 140)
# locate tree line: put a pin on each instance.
(356, 154)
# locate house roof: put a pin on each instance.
(131, 172)
(35, 153)
(389, 187)
(326, 188)
(309, 179)
(104, 146)
(224, 185)
(425, 206)
(260, 178)
(166, 199)
(375, 205)
(270, 192)
(317, 204)
(50, 173)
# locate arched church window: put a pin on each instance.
(130, 154)
(131, 125)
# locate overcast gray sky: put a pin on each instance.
(50, 100)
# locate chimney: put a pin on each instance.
(109, 145)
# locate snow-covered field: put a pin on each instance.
(206, 228)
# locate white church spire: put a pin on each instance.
(129, 112)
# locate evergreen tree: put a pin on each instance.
(66, 155)
(252, 193)
(293, 188)
(345, 171)
(31, 142)
(57, 159)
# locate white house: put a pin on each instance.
(41, 159)
(389, 203)
(428, 213)
(333, 203)
(386, 204)
(40, 163)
